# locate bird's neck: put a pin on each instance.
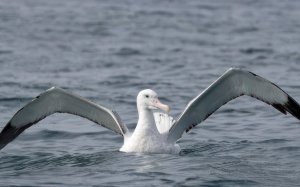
(146, 121)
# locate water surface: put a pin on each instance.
(107, 51)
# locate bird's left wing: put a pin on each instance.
(163, 122)
(232, 84)
(57, 100)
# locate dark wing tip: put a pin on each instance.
(290, 106)
(280, 108)
(293, 107)
(9, 133)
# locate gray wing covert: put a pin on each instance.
(57, 100)
(232, 84)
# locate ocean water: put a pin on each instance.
(107, 51)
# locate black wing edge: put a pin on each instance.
(121, 124)
(290, 106)
(9, 133)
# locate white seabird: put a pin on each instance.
(155, 132)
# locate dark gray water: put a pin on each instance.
(109, 50)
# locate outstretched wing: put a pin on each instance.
(232, 84)
(57, 100)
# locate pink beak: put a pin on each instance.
(158, 104)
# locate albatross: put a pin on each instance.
(155, 132)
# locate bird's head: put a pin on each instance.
(148, 99)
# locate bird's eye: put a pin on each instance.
(147, 96)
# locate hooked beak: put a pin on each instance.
(158, 104)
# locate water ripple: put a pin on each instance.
(107, 51)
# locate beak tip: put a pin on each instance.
(164, 107)
(168, 109)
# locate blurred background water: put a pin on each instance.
(107, 51)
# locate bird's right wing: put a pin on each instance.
(232, 84)
(57, 100)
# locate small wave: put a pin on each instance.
(251, 51)
(230, 110)
(162, 13)
(232, 182)
(246, 30)
(9, 83)
(97, 28)
(208, 7)
(199, 149)
(83, 160)
(289, 148)
(273, 141)
(127, 51)
(123, 77)
(50, 134)
(8, 160)
(4, 52)
(10, 99)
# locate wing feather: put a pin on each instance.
(232, 84)
(57, 100)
